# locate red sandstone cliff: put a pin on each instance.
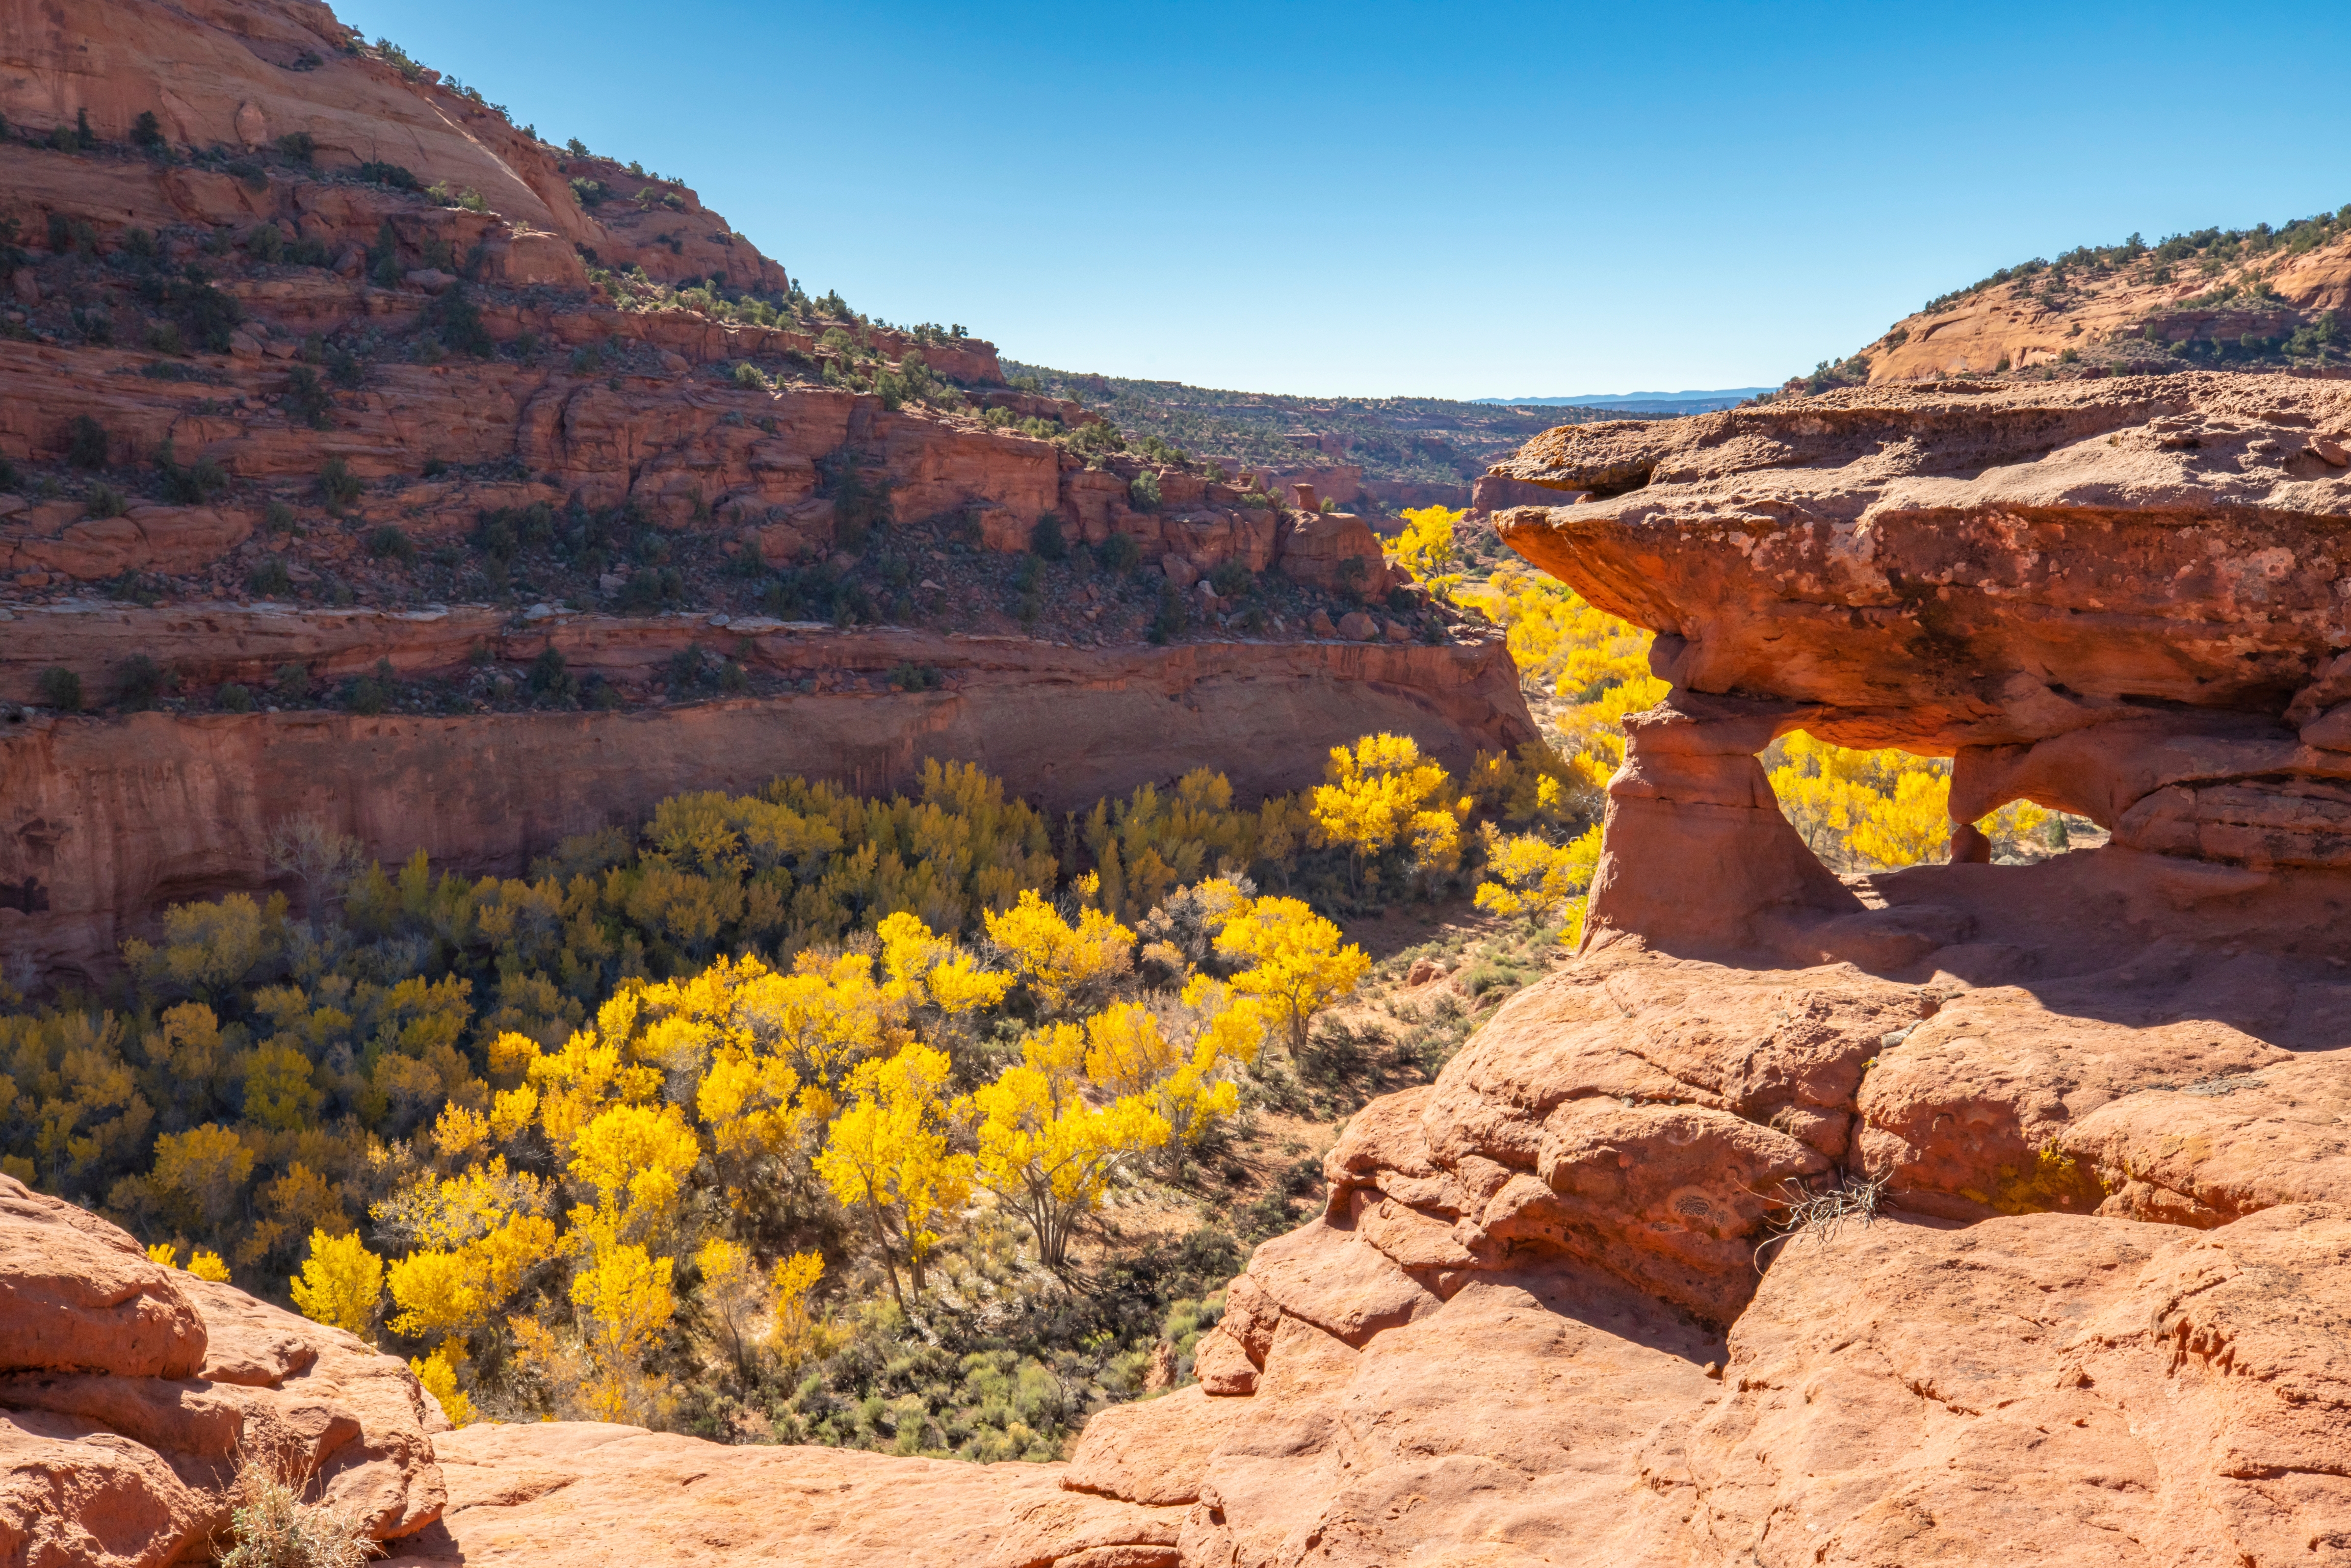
(102, 820)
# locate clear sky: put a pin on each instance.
(1457, 200)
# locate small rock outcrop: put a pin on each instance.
(128, 1390)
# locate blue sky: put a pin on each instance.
(1456, 201)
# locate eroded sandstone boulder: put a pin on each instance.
(129, 1390)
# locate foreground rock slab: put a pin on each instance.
(2040, 1389)
(564, 1494)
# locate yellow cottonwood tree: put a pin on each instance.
(1048, 1154)
(793, 1332)
(624, 1299)
(635, 1159)
(438, 1373)
(1065, 965)
(1380, 793)
(341, 1284)
(1540, 880)
(1299, 965)
(913, 955)
(1425, 547)
(887, 1154)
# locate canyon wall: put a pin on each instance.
(104, 820)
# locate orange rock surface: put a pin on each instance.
(128, 1390)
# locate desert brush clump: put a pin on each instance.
(275, 1522)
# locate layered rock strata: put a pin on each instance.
(334, 199)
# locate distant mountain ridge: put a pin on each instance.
(1698, 401)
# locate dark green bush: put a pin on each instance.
(147, 131)
(1232, 577)
(1118, 553)
(139, 683)
(60, 689)
(1171, 620)
(912, 677)
(339, 483)
(306, 401)
(266, 243)
(105, 501)
(374, 693)
(390, 174)
(270, 579)
(291, 684)
(1046, 539)
(454, 321)
(550, 679)
(233, 698)
(390, 543)
(86, 443)
(1143, 490)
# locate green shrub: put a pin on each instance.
(374, 693)
(1046, 539)
(1143, 491)
(60, 689)
(86, 443)
(270, 579)
(165, 337)
(1118, 553)
(298, 146)
(139, 683)
(306, 400)
(105, 501)
(291, 684)
(277, 517)
(339, 483)
(266, 243)
(550, 679)
(147, 131)
(747, 374)
(1171, 620)
(389, 543)
(233, 698)
(1232, 577)
(194, 483)
(911, 678)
